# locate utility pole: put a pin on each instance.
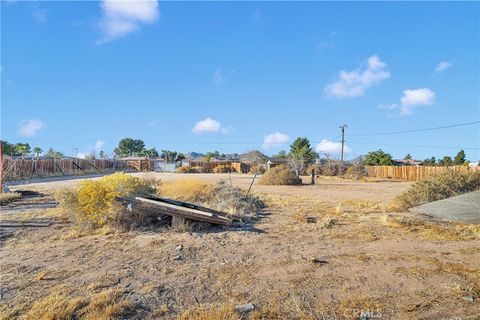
(343, 140)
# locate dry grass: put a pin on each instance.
(280, 175)
(437, 187)
(6, 197)
(191, 190)
(60, 304)
(433, 231)
(210, 312)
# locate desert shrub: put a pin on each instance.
(6, 197)
(91, 202)
(257, 169)
(222, 196)
(188, 169)
(331, 168)
(191, 190)
(223, 168)
(280, 175)
(233, 200)
(437, 187)
(356, 171)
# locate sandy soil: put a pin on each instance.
(347, 263)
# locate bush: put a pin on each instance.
(356, 171)
(91, 202)
(257, 169)
(224, 168)
(280, 175)
(437, 187)
(221, 197)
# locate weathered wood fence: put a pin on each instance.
(14, 169)
(412, 173)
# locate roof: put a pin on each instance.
(407, 162)
(278, 160)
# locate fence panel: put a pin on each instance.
(412, 173)
(27, 168)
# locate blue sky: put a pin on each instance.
(237, 76)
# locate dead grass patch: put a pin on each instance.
(210, 312)
(62, 304)
(433, 231)
(6, 197)
(280, 175)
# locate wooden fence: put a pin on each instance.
(26, 168)
(412, 173)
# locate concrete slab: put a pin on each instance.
(463, 208)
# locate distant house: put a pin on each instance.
(273, 162)
(149, 164)
(407, 162)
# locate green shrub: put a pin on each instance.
(280, 175)
(437, 187)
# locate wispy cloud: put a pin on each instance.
(411, 99)
(331, 147)
(275, 140)
(219, 76)
(29, 128)
(354, 83)
(39, 14)
(442, 66)
(121, 17)
(209, 125)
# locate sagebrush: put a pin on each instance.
(280, 175)
(437, 187)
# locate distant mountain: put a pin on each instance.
(254, 156)
(194, 155)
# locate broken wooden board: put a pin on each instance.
(177, 210)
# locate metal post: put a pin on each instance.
(343, 143)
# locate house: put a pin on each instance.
(273, 162)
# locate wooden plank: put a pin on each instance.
(189, 213)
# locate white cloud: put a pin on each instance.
(82, 155)
(354, 83)
(414, 98)
(274, 140)
(331, 147)
(411, 99)
(29, 128)
(209, 125)
(121, 17)
(99, 145)
(220, 76)
(442, 66)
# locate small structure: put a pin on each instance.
(273, 162)
(139, 163)
(407, 162)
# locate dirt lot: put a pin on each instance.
(354, 260)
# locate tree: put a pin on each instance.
(7, 148)
(53, 154)
(22, 149)
(128, 147)
(37, 151)
(430, 161)
(459, 158)
(101, 154)
(215, 154)
(407, 157)
(281, 154)
(446, 161)
(378, 158)
(172, 155)
(150, 153)
(301, 149)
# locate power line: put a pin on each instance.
(415, 130)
